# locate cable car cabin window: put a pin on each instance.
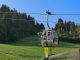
(49, 35)
(45, 36)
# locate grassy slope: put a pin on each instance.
(29, 49)
(78, 29)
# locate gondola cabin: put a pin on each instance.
(49, 38)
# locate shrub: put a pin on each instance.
(70, 39)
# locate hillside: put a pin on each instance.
(29, 49)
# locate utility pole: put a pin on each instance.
(46, 49)
(47, 15)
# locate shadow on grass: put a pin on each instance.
(35, 41)
(69, 45)
(37, 44)
(28, 41)
(23, 43)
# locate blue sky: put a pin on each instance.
(40, 6)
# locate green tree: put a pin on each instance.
(15, 25)
(60, 26)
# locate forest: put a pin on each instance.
(68, 31)
(15, 25)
